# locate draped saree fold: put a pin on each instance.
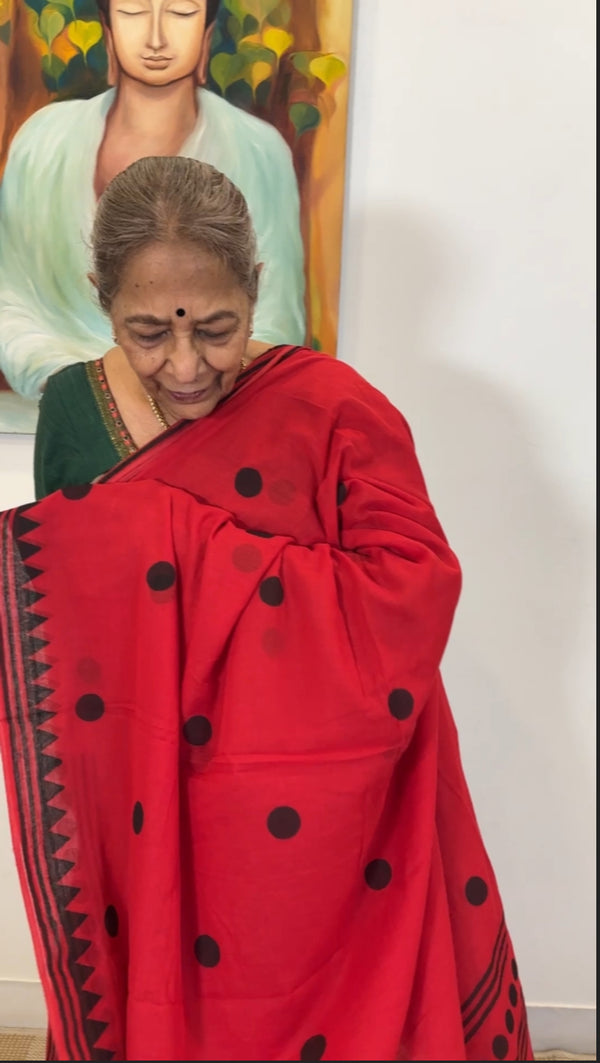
(237, 804)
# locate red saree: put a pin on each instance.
(236, 798)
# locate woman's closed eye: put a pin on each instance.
(149, 339)
(214, 337)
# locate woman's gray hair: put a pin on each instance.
(171, 199)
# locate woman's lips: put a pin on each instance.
(188, 397)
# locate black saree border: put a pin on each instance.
(33, 772)
(484, 997)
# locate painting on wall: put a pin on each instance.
(259, 88)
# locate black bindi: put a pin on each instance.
(180, 312)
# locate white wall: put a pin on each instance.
(469, 298)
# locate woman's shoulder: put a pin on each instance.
(341, 379)
(69, 378)
(68, 392)
(335, 388)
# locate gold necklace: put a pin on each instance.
(160, 417)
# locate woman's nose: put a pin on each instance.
(185, 360)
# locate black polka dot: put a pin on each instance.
(513, 995)
(207, 951)
(180, 311)
(76, 491)
(401, 704)
(248, 482)
(476, 891)
(89, 707)
(160, 576)
(138, 817)
(271, 590)
(342, 492)
(514, 969)
(197, 730)
(509, 1020)
(283, 822)
(111, 921)
(378, 874)
(312, 1050)
(500, 1047)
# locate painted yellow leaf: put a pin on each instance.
(328, 68)
(4, 11)
(259, 72)
(84, 35)
(277, 40)
(51, 23)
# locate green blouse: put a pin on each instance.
(80, 433)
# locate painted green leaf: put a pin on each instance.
(51, 23)
(5, 32)
(234, 28)
(261, 9)
(240, 95)
(280, 16)
(256, 53)
(226, 69)
(52, 68)
(250, 25)
(302, 61)
(237, 8)
(304, 117)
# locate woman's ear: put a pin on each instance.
(92, 279)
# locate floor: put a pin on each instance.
(31, 1044)
(22, 1044)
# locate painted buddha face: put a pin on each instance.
(159, 42)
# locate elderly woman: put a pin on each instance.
(238, 808)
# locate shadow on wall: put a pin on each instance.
(526, 574)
